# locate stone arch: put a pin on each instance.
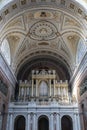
(66, 123)
(19, 123)
(43, 122)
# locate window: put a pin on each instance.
(81, 50)
(6, 50)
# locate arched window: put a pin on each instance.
(83, 87)
(66, 123)
(19, 123)
(81, 50)
(43, 89)
(6, 50)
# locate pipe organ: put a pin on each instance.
(43, 86)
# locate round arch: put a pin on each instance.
(19, 123)
(43, 61)
(66, 123)
(43, 123)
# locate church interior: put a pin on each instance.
(43, 65)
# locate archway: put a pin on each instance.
(66, 123)
(43, 123)
(19, 123)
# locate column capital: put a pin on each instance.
(51, 113)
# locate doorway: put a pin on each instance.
(66, 123)
(19, 123)
(43, 123)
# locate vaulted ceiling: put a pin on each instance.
(42, 28)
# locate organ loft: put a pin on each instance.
(43, 102)
(44, 87)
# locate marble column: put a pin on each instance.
(75, 122)
(28, 122)
(51, 122)
(78, 122)
(8, 120)
(11, 122)
(57, 121)
(59, 90)
(36, 87)
(34, 121)
(24, 93)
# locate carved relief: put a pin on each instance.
(43, 30)
(43, 14)
(57, 16)
(18, 22)
(70, 22)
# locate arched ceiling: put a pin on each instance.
(43, 28)
(5, 2)
(44, 62)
